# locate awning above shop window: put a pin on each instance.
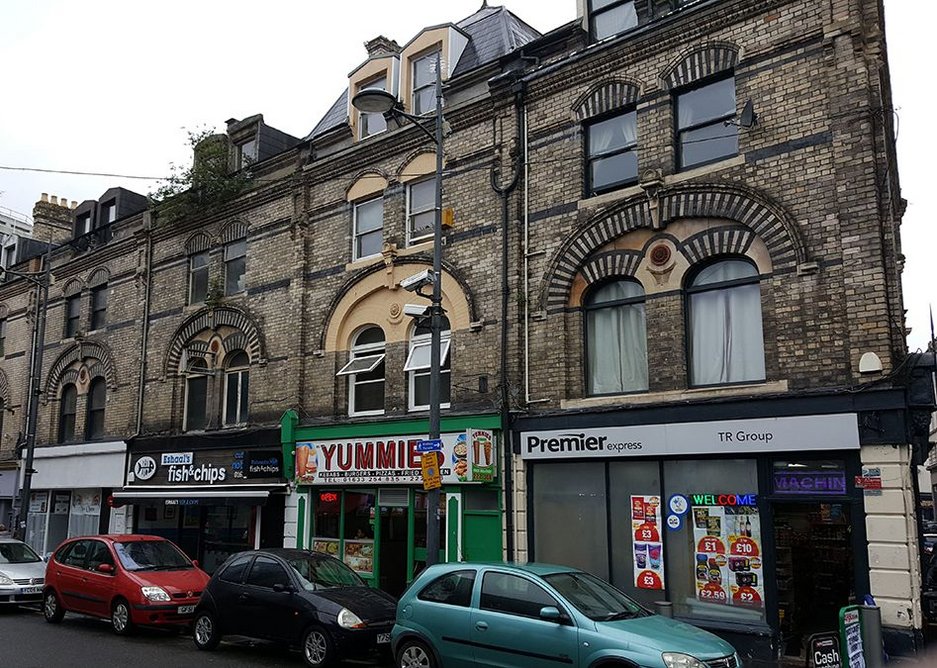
(193, 497)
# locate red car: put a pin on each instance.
(129, 579)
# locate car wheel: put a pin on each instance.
(121, 621)
(205, 631)
(52, 608)
(415, 654)
(318, 649)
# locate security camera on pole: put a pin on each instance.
(375, 100)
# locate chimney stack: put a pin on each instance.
(52, 219)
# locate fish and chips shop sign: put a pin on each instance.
(206, 467)
(468, 456)
(737, 437)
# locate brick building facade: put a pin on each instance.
(636, 260)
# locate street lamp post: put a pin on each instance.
(376, 100)
(35, 387)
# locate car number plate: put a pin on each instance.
(31, 590)
(186, 609)
(383, 638)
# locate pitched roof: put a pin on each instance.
(493, 32)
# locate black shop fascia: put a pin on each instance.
(211, 494)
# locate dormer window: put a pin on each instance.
(9, 255)
(423, 94)
(245, 154)
(371, 123)
(83, 224)
(610, 17)
(108, 213)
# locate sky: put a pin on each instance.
(113, 86)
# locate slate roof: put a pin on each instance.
(492, 31)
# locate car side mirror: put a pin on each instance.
(551, 613)
(281, 588)
(195, 562)
(105, 568)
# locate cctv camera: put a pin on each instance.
(415, 310)
(417, 281)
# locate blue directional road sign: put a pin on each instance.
(432, 445)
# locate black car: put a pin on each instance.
(304, 599)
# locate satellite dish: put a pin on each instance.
(748, 117)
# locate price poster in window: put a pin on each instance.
(648, 548)
(728, 564)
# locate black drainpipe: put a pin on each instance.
(507, 445)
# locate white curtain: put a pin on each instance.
(726, 340)
(617, 349)
(614, 133)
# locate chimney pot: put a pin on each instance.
(55, 200)
(45, 197)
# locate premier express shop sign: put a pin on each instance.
(783, 434)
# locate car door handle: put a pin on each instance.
(481, 626)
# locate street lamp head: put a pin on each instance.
(374, 101)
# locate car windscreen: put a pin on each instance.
(151, 555)
(318, 572)
(595, 598)
(17, 553)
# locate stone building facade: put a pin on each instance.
(671, 276)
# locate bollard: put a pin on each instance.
(664, 608)
(870, 617)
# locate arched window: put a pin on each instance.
(365, 371)
(67, 409)
(237, 385)
(726, 344)
(97, 395)
(616, 339)
(196, 395)
(418, 363)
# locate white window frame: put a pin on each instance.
(411, 240)
(362, 114)
(413, 369)
(375, 354)
(355, 234)
(431, 56)
(232, 373)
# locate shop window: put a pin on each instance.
(98, 307)
(371, 123)
(641, 480)
(265, 572)
(237, 389)
(451, 589)
(571, 495)
(417, 366)
(725, 338)
(196, 395)
(84, 518)
(328, 505)
(610, 17)
(198, 277)
(235, 267)
(359, 515)
(421, 210)
(68, 406)
(369, 228)
(72, 315)
(616, 339)
(809, 478)
(514, 595)
(611, 147)
(702, 133)
(97, 397)
(365, 373)
(423, 76)
(711, 574)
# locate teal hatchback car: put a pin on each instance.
(535, 615)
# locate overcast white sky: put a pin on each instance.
(111, 85)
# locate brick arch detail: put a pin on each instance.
(234, 342)
(728, 240)
(233, 231)
(69, 377)
(96, 370)
(4, 389)
(606, 96)
(80, 352)
(197, 243)
(212, 319)
(602, 266)
(700, 62)
(99, 276)
(764, 218)
(72, 288)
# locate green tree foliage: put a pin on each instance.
(206, 185)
